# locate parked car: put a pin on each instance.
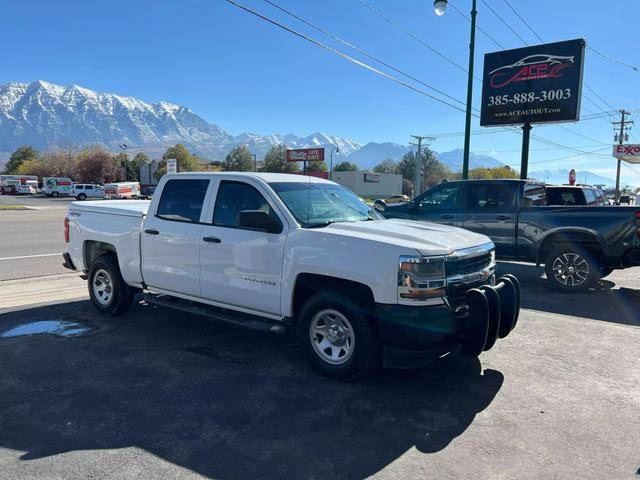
(57, 186)
(280, 252)
(19, 184)
(578, 245)
(147, 192)
(570, 195)
(82, 191)
(626, 200)
(122, 190)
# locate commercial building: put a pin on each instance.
(369, 184)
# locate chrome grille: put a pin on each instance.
(468, 265)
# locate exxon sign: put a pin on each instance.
(629, 153)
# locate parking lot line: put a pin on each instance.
(31, 256)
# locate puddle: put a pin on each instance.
(60, 328)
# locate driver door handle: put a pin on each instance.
(211, 239)
(503, 217)
(151, 231)
(447, 216)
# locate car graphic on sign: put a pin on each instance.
(537, 59)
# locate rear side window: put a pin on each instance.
(79, 187)
(535, 195)
(490, 196)
(182, 200)
(233, 198)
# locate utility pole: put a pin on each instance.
(417, 183)
(621, 134)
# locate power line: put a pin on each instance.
(417, 39)
(524, 21)
(614, 60)
(480, 29)
(342, 54)
(504, 22)
(361, 51)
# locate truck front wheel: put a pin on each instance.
(571, 268)
(108, 291)
(337, 337)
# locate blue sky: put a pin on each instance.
(245, 75)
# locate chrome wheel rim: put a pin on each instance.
(102, 287)
(332, 336)
(571, 269)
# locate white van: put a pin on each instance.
(82, 191)
(57, 186)
(122, 190)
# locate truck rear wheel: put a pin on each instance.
(571, 268)
(54, 194)
(108, 291)
(337, 337)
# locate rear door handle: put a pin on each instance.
(211, 239)
(503, 217)
(446, 217)
(151, 231)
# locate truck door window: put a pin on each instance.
(233, 198)
(182, 200)
(492, 196)
(442, 197)
(590, 196)
(535, 196)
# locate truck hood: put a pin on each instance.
(426, 237)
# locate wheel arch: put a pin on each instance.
(93, 249)
(582, 237)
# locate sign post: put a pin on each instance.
(539, 84)
(172, 165)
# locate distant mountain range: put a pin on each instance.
(45, 115)
(561, 176)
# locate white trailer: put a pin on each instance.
(57, 186)
(122, 190)
(19, 184)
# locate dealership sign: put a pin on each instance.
(537, 84)
(305, 155)
(629, 153)
(172, 165)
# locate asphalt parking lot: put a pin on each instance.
(156, 394)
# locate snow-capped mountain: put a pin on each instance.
(373, 153)
(453, 160)
(44, 115)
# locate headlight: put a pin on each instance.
(421, 280)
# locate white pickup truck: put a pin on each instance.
(300, 254)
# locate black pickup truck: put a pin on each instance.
(577, 244)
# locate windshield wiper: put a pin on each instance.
(320, 224)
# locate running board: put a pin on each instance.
(254, 322)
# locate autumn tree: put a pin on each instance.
(96, 165)
(275, 161)
(431, 169)
(238, 160)
(386, 166)
(185, 160)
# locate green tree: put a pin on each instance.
(238, 160)
(345, 167)
(386, 166)
(432, 170)
(316, 167)
(186, 161)
(275, 161)
(21, 155)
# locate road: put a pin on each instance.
(31, 241)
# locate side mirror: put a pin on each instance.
(380, 205)
(411, 205)
(258, 220)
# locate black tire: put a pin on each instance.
(54, 194)
(363, 354)
(82, 196)
(120, 295)
(559, 264)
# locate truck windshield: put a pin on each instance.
(320, 204)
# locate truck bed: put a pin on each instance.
(129, 208)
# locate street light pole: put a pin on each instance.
(337, 150)
(124, 153)
(255, 162)
(440, 8)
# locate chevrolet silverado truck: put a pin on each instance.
(288, 253)
(577, 244)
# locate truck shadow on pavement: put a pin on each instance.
(221, 401)
(619, 305)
